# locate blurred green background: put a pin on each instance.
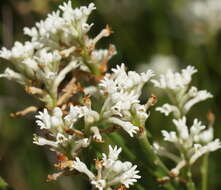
(142, 29)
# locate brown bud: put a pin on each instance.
(211, 118)
(163, 180)
(122, 187)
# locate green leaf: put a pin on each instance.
(4, 185)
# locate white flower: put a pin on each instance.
(199, 96)
(161, 63)
(44, 120)
(126, 81)
(127, 172)
(122, 102)
(62, 26)
(166, 109)
(77, 112)
(175, 81)
(48, 58)
(50, 121)
(5, 53)
(31, 66)
(169, 136)
(163, 152)
(127, 126)
(97, 136)
(193, 142)
(108, 84)
(181, 127)
(207, 135)
(90, 116)
(129, 177)
(32, 32)
(41, 141)
(112, 156)
(210, 147)
(56, 119)
(81, 167)
(83, 143)
(206, 12)
(100, 54)
(74, 114)
(100, 184)
(176, 85)
(122, 91)
(61, 139)
(12, 75)
(81, 14)
(19, 51)
(140, 113)
(111, 171)
(120, 81)
(196, 128)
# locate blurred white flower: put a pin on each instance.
(160, 63)
(206, 12)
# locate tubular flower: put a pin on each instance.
(122, 91)
(53, 52)
(193, 142)
(183, 97)
(110, 171)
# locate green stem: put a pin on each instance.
(151, 156)
(108, 188)
(190, 184)
(204, 172)
(152, 160)
(138, 187)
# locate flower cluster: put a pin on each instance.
(62, 134)
(121, 107)
(111, 172)
(59, 44)
(61, 66)
(122, 91)
(191, 142)
(67, 134)
(182, 96)
(62, 28)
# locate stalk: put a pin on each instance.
(158, 169)
(190, 184)
(204, 172)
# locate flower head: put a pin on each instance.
(111, 171)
